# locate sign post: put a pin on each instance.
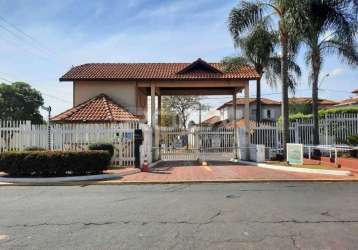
(295, 153)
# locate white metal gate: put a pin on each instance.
(196, 143)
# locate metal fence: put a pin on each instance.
(333, 130)
(18, 135)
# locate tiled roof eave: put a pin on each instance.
(69, 79)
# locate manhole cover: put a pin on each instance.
(3, 237)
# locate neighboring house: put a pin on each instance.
(211, 121)
(270, 109)
(128, 85)
(350, 102)
(322, 103)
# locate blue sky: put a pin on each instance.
(40, 40)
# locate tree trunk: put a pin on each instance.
(258, 102)
(285, 108)
(316, 67)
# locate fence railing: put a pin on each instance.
(333, 130)
(18, 135)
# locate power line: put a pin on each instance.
(41, 50)
(42, 46)
(57, 98)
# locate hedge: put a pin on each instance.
(322, 113)
(34, 149)
(54, 163)
(102, 146)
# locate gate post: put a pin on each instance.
(235, 128)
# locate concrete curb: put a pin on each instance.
(7, 181)
(122, 183)
(299, 170)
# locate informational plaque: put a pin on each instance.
(295, 153)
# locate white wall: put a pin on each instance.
(228, 112)
(123, 93)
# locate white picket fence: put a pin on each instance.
(334, 130)
(176, 144)
(18, 135)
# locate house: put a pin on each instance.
(350, 102)
(116, 92)
(270, 109)
(211, 121)
(307, 101)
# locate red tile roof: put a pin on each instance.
(198, 70)
(348, 102)
(98, 109)
(241, 101)
(211, 120)
(308, 100)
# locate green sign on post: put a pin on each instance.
(295, 153)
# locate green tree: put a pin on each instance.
(181, 106)
(258, 50)
(18, 101)
(247, 14)
(329, 28)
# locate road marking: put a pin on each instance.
(207, 168)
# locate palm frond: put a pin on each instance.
(233, 63)
(243, 17)
(347, 51)
(273, 72)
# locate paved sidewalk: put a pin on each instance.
(222, 173)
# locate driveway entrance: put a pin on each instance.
(197, 143)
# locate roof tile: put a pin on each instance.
(154, 71)
(98, 109)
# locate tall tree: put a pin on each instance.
(181, 106)
(247, 14)
(330, 27)
(18, 101)
(258, 50)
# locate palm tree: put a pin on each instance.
(330, 28)
(258, 50)
(248, 14)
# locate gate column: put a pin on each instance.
(152, 120)
(247, 121)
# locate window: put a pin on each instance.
(268, 114)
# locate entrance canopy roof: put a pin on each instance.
(196, 78)
(198, 70)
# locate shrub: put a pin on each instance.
(322, 113)
(102, 146)
(34, 149)
(54, 163)
(353, 141)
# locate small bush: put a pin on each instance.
(102, 146)
(353, 141)
(54, 163)
(34, 149)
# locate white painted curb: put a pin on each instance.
(99, 177)
(300, 170)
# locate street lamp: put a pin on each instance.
(48, 109)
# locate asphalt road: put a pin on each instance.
(206, 216)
